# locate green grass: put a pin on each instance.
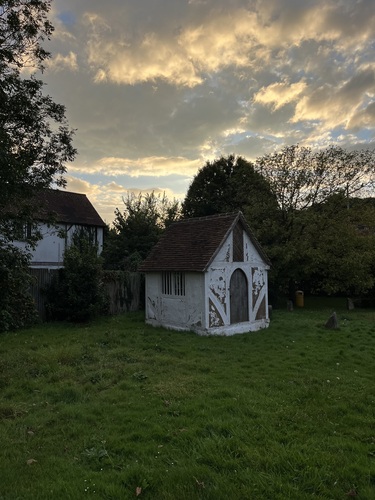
(97, 411)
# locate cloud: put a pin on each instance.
(279, 94)
(212, 37)
(155, 89)
(336, 106)
(364, 118)
(181, 57)
(148, 166)
(60, 62)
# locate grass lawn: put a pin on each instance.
(119, 410)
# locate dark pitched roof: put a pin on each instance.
(67, 207)
(191, 244)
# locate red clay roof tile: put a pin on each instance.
(68, 207)
(191, 244)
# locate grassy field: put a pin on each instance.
(119, 410)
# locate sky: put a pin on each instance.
(156, 88)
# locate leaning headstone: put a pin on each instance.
(332, 322)
(289, 305)
(349, 304)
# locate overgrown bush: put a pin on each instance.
(77, 293)
(17, 308)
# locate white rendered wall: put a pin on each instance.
(49, 251)
(218, 314)
(176, 312)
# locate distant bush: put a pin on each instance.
(77, 292)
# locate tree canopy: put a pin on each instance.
(35, 140)
(300, 177)
(35, 144)
(137, 228)
(229, 184)
(317, 240)
(305, 208)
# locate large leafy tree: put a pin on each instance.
(339, 245)
(35, 140)
(228, 184)
(318, 240)
(304, 208)
(137, 228)
(300, 177)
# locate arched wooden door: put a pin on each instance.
(239, 297)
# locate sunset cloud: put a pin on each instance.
(278, 94)
(155, 89)
(148, 166)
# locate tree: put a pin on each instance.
(318, 237)
(300, 177)
(340, 246)
(35, 141)
(229, 184)
(77, 293)
(301, 207)
(137, 228)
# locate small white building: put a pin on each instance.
(59, 214)
(208, 275)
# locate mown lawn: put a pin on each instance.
(119, 410)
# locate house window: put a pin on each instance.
(27, 231)
(173, 283)
(22, 231)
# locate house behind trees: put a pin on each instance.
(58, 215)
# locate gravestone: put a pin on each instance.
(349, 304)
(332, 323)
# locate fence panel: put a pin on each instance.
(42, 278)
(125, 290)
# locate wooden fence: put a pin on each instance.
(125, 290)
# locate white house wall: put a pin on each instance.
(49, 251)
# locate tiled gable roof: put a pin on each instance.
(191, 244)
(67, 207)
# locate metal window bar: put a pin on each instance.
(173, 283)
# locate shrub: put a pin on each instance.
(77, 292)
(17, 308)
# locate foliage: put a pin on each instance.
(137, 228)
(17, 308)
(339, 246)
(317, 239)
(301, 178)
(117, 408)
(229, 184)
(301, 206)
(35, 141)
(77, 294)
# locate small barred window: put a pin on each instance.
(173, 283)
